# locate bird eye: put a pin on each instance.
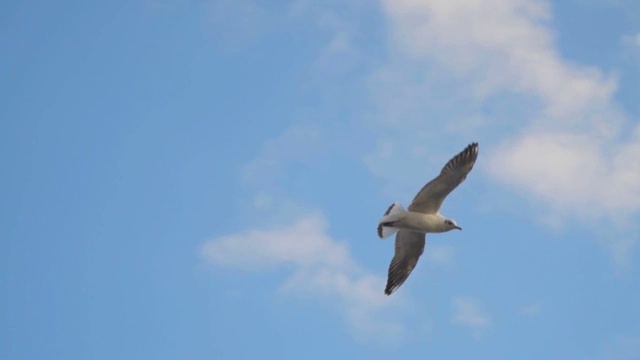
(447, 222)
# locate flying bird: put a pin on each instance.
(422, 216)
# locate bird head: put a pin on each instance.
(451, 224)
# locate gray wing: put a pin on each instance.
(409, 247)
(430, 197)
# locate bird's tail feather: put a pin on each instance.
(393, 214)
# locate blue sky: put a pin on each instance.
(204, 179)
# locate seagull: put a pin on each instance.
(422, 216)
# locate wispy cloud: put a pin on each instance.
(468, 313)
(533, 309)
(441, 255)
(631, 46)
(495, 47)
(634, 40)
(299, 143)
(265, 177)
(337, 20)
(323, 269)
(622, 348)
(235, 24)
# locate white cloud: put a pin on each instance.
(497, 46)
(564, 142)
(533, 309)
(323, 269)
(467, 312)
(573, 172)
(297, 144)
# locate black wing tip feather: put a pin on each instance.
(393, 285)
(470, 150)
(396, 277)
(392, 279)
(390, 288)
(470, 153)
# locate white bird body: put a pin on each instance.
(426, 223)
(421, 222)
(422, 217)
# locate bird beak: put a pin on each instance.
(458, 227)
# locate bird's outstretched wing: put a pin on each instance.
(409, 247)
(430, 197)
